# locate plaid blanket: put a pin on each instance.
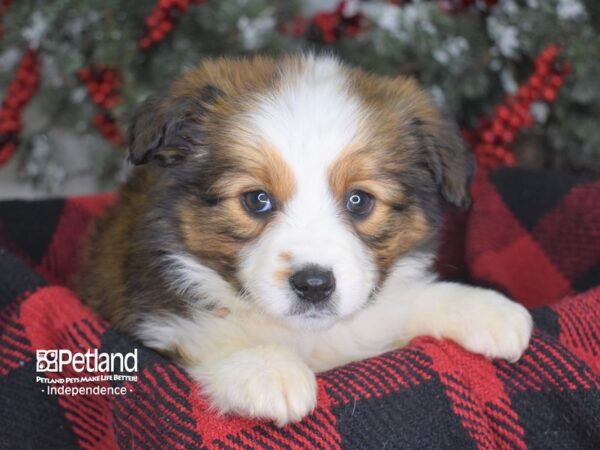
(534, 234)
(430, 394)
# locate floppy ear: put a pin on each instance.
(167, 130)
(448, 159)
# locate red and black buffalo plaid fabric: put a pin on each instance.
(430, 394)
(534, 234)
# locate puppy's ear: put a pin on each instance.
(167, 130)
(448, 159)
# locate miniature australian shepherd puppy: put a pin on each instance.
(281, 221)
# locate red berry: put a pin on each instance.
(98, 97)
(523, 93)
(151, 21)
(497, 127)
(549, 94)
(8, 126)
(507, 136)
(104, 88)
(160, 14)
(157, 35)
(488, 136)
(85, 73)
(535, 81)
(503, 112)
(556, 80)
(519, 110)
(516, 121)
(542, 70)
(166, 27)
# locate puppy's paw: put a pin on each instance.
(488, 323)
(267, 381)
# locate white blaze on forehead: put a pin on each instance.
(310, 115)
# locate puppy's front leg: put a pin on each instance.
(266, 381)
(234, 367)
(481, 320)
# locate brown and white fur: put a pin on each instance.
(182, 263)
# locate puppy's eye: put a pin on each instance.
(257, 202)
(359, 203)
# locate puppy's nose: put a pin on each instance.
(313, 283)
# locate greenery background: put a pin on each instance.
(469, 54)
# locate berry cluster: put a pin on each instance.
(18, 94)
(162, 20)
(493, 136)
(107, 124)
(327, 27)
(102, 84)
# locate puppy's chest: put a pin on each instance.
(360, 337)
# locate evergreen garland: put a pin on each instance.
(520, 76)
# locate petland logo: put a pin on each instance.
(56, 360)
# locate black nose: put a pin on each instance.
(313, 283)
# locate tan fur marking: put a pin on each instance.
(182, 355)
(234, 76)
(409, 229)
(282, 275)
(358, 168)
(221, 312)
(393, 99)
(217, 237)
(259, 167)
(286, 256)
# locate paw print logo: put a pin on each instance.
(47, 360)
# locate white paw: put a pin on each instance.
(490, 324)
(268, 382)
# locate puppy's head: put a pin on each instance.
(302, 183)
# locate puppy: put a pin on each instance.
(281, 221)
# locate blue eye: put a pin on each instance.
(257, 202)
(359, 203)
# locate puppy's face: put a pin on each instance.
(302, 183)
